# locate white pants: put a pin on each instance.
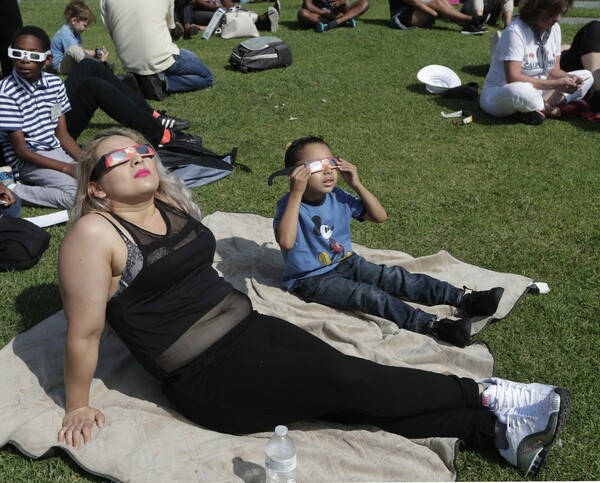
(523, 97)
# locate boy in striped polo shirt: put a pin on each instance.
(33, 129)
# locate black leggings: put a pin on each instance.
(267, 371)
(586, 41)
(91, 86)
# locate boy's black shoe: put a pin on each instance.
(178, 31)
(456, 332)
(533, 118)
(151, 86)
(170, 122)
(481, 303)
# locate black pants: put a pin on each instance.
(267, 371)
(91, 86)
(10, 22)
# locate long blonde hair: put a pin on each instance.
(171, 190)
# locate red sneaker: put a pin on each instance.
(574, 109)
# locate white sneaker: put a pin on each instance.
(531, 430)
(503, 394)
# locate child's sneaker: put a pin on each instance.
(6, 175)
(352, 23)
(502, 394)
(483, 302)
(530, 431)
(321, 27)
(573, 109)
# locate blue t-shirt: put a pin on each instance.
(62, 40)
(323, 238)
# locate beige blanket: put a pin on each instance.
(145, 440)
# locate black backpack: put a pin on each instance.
(260, 53)
(197, 165)
(21, 243)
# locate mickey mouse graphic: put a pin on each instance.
(326, 231)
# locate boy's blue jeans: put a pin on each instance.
(356, 284)
(188, 73)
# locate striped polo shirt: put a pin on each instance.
(33, 108)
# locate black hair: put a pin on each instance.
(295, 149)
(34, 31)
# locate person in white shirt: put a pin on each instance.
(525, 76)
(140, 30)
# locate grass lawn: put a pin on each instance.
(495, 193)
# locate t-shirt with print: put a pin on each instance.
(323, 238)
(518, 42)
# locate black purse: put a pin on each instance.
(22, 243)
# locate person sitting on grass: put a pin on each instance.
(202, 11)
(493, 7)
(312, 227)
(526, 78)
(325, 15)
(406, 14)
(66, 46)
(33, 129)
(138, 258)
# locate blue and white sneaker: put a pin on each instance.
(502, 394)
(321, 27)
(530, 431)
(352, 23)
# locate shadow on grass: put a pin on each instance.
(36, 303)
(478, 70)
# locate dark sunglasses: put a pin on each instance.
(120, 156)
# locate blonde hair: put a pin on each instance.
(171, 190)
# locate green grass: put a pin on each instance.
(498, 194)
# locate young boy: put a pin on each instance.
(312, 227)
(33, 130)
(67, 43)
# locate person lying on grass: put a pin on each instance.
(138, 256)
(312, 227)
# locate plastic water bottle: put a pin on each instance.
(280, 458)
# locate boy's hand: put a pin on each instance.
(299, 179)
(349, 172)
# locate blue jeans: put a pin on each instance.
(188, 73)
(356, 284)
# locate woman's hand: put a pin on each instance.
(568, 84)
(77, 424)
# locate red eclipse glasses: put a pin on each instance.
(120, 156)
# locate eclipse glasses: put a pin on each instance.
(120, 156)
(314, 166)
(32, 56)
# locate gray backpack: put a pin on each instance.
(260, 53)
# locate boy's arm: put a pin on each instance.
(288, 226)
(375, 210)
(66, 141)
(17, 139)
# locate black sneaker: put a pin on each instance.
(480, 20)
(169, 122)
(130, 80)
(151, 86)
(534, 118)
(456, 332)
(182, 137)
(482, 303)
(471, 29)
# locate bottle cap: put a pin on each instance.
(281, 430)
